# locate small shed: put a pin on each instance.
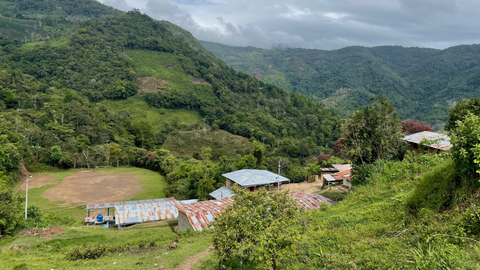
(253, 179)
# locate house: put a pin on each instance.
(430, 142)
(252, 180)
(340, 170)
(221, 193)
(198, 216)
(133, 212)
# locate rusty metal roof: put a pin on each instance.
(440, 141)
(329, 170)
(309, 200)
(342, 167)
(113, 204)
(249, 178)
(201, 214)
(148, 210)
(223, 192)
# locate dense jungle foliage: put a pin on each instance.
(421, 83)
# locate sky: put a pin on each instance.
(320, 24)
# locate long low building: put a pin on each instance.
(133, 212)
(199, 215)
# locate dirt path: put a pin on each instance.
(192, 260)
(92, 187)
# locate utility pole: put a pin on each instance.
(26, 198)
(278, 176)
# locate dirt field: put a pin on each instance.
(47, 232)
(306, 187)
(91, 187)
(39, 180)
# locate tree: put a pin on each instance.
(247, 162)
(259, 153)
(55, 155)
(373, 132)
(465, 139)
(205, 187)
(412, 127)
(256, 230)
(84, 146)
(11, 206)
(461, 109)
(143, 132)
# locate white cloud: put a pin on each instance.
(322, 24)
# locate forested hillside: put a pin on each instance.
(422, 83)
(72, 101)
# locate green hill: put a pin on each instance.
(422, 83)
(190, 143)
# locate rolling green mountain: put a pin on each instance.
(421, 83)
(133, 82)
(32, 20)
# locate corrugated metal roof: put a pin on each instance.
(148, 210)
(342, 167)
(201, 214)
(223, 192)
(248, 177)
(309, 200)
(443, 142)
(329, 170)
(145, 212)
(113, 204)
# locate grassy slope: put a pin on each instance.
(191, 142)
(150, 63)
(139, 109)
(39, 253)
(20, 29)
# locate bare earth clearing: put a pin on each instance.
(39, 180)
(305, 187)
(92, 187)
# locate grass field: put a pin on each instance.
(137, 247)
(139, 109)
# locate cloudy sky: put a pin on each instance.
(320, 24)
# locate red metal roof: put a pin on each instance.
(309, 200)
(201, 214)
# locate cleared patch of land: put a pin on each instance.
(91, 187)
(305, 187)
(148, 84)
(39, 180)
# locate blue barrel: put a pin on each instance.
(100, 218)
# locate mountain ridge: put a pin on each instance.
(417, 80)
